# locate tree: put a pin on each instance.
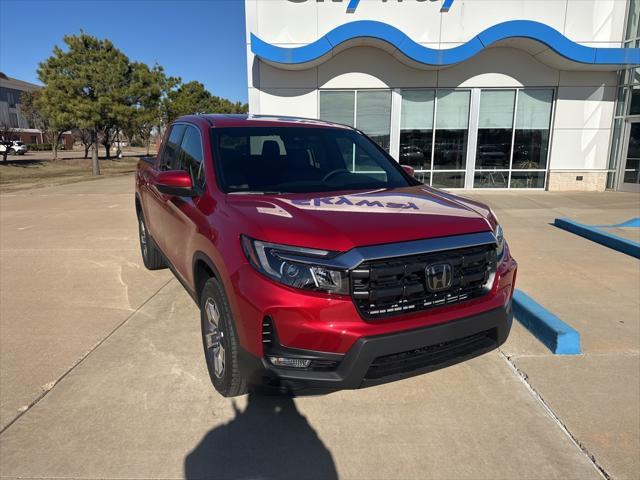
(150, 86)
(50, 121)
(193, 97)
(189, 98)
(107, 136)
(92, 86)
(83, 136)
(7, 135)
(89, 83)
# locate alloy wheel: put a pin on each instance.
(143, 237)
(213, 337)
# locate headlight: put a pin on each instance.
(265, 258)
(499, 234)
(500, 239)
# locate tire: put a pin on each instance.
(151, 254)
(220, 341)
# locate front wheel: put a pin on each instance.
(151, 255)
(220, 341)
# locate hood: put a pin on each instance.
(340, 221)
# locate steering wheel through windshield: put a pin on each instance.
(333, 173)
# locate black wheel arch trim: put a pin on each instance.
(200, 256)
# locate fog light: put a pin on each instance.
(289, 362)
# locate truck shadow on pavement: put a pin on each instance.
(270, 439)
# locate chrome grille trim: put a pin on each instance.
(353, 258)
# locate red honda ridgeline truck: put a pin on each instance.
(318, 262)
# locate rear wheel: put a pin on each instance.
(151, 255)
(220, 341)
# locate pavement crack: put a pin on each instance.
(525, 379)
(51, 385)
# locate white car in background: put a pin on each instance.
(17, 148)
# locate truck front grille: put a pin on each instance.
(384, 288)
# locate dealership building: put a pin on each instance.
(538, 94)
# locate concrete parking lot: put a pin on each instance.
(102, 375)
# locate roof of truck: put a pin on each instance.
(219, 120)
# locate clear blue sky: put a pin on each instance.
(201, 40)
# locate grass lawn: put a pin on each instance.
(20, 174)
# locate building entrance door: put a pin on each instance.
(630, 165)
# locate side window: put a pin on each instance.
(169, 158)
(191, 156)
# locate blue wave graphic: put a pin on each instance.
(539, 32)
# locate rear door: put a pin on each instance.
(183, 214)
(158, 214)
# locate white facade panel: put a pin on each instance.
(251, 18)
(285, 22)
(588, 79)
(467, 18)
(289, 102)
(585, 107)
(272, 77)
(595, 20)
(367, 67)
(418, 20)
(580, 149)
(499, 67)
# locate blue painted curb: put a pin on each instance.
(559, 337)
(604, 238)
(632, 223)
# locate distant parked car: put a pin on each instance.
(19, 148)
(16, 148)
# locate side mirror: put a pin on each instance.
(176, 183)
(409, 170)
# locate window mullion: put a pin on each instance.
(433, 134)
(355, 116)
(513, 136)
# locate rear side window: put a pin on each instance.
(169, 159)
(190, 158)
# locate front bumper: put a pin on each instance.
(385, 358)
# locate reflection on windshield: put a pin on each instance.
(301, 159)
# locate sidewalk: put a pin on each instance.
(135, 400)
(595, 290)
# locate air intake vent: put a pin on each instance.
(267, 332)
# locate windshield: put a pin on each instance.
(299, 160)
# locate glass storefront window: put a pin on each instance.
(533, 120)
(491, 179)
(495, 129)
(369, 111)
(512, 134)
(527, 179)
(632, 21)
(373, 115)
(338, 107)
(448, 179)
(634, 103)
(416, 128)
(621, 101)
(621, 167)
(452, 128)
(631, 173)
